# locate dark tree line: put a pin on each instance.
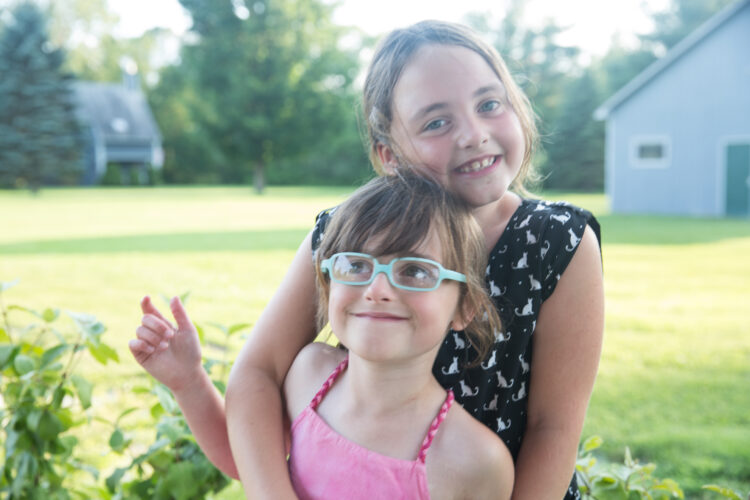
(40, 139)
(266, 91)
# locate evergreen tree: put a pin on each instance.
(40, 139)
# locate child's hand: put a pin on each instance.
(171, 355)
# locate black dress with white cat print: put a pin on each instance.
(523, 270)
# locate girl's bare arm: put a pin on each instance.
(255, 413)
(567, 347)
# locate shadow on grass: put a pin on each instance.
(287, 239)
(661, 230)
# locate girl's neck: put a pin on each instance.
(375, 388)
(494, 217)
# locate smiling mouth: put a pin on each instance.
(379, 316)
(475, 166)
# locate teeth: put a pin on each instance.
(477, 165)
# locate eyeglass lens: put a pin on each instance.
(403, 272)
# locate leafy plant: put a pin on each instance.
(43, 399)
(629, 480)
(173, 467)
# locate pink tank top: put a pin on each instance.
(324, 465)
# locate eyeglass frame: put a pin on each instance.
(387, 269)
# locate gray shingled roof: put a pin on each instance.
(120, 114)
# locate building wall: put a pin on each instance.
(694, 107)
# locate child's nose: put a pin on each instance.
(472, 133)
(380, 288)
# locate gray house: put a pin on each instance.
(119, 126)
(678, 135)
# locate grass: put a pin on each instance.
(675, 370)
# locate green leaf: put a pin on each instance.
(238, 327)
(49, 426)
(4, 337)
(23, 364)
(201, 332)
(102, 352)
(114, 479)
(88, 325)
(53, 353)
(6, 285)
(125, 413)
(179, 481)
(7, 353)
(33, 419)
(725, 492)
(49, 315)
(117, 440)
(166, 399)
(592, 443)
(84, 389)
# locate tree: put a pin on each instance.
(272, 82)
(575, 150)
(679, 20)
(40, 138)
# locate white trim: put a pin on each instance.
(637, 141)
(610, 150)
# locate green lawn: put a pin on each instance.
(674, 381)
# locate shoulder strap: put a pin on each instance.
(435, 425)
(328, 383)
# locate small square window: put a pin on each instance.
(650, 152)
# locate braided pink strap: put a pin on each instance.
(328, 383)
(435, 424)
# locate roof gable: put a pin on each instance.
(683, 47)
(115, 111)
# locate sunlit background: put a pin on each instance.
(200, 156)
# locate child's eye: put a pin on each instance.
(489, 106)
(415, 271)
(435, 124)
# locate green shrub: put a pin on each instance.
(44, 400)
(629, 480)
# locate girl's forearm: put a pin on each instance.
(255, 420)
(545, 464)
(203, 408)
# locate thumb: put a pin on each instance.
(180, 314)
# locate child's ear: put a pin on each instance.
(462, 317)
(387, 158)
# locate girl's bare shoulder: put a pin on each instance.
(309, 370)
(468, 461)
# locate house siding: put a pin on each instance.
(696, 102)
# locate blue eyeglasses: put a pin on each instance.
(407, 273)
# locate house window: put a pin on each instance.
(650, 152)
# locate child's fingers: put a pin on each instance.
(180, 314)
(140, 349)
(148, 307)
(158, 325)
(152, 338)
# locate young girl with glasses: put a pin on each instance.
(441, 101)
(402, 263)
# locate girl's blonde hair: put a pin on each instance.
(391, 57)
(398, 212)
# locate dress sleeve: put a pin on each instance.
(321, 222)
(562, 234)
